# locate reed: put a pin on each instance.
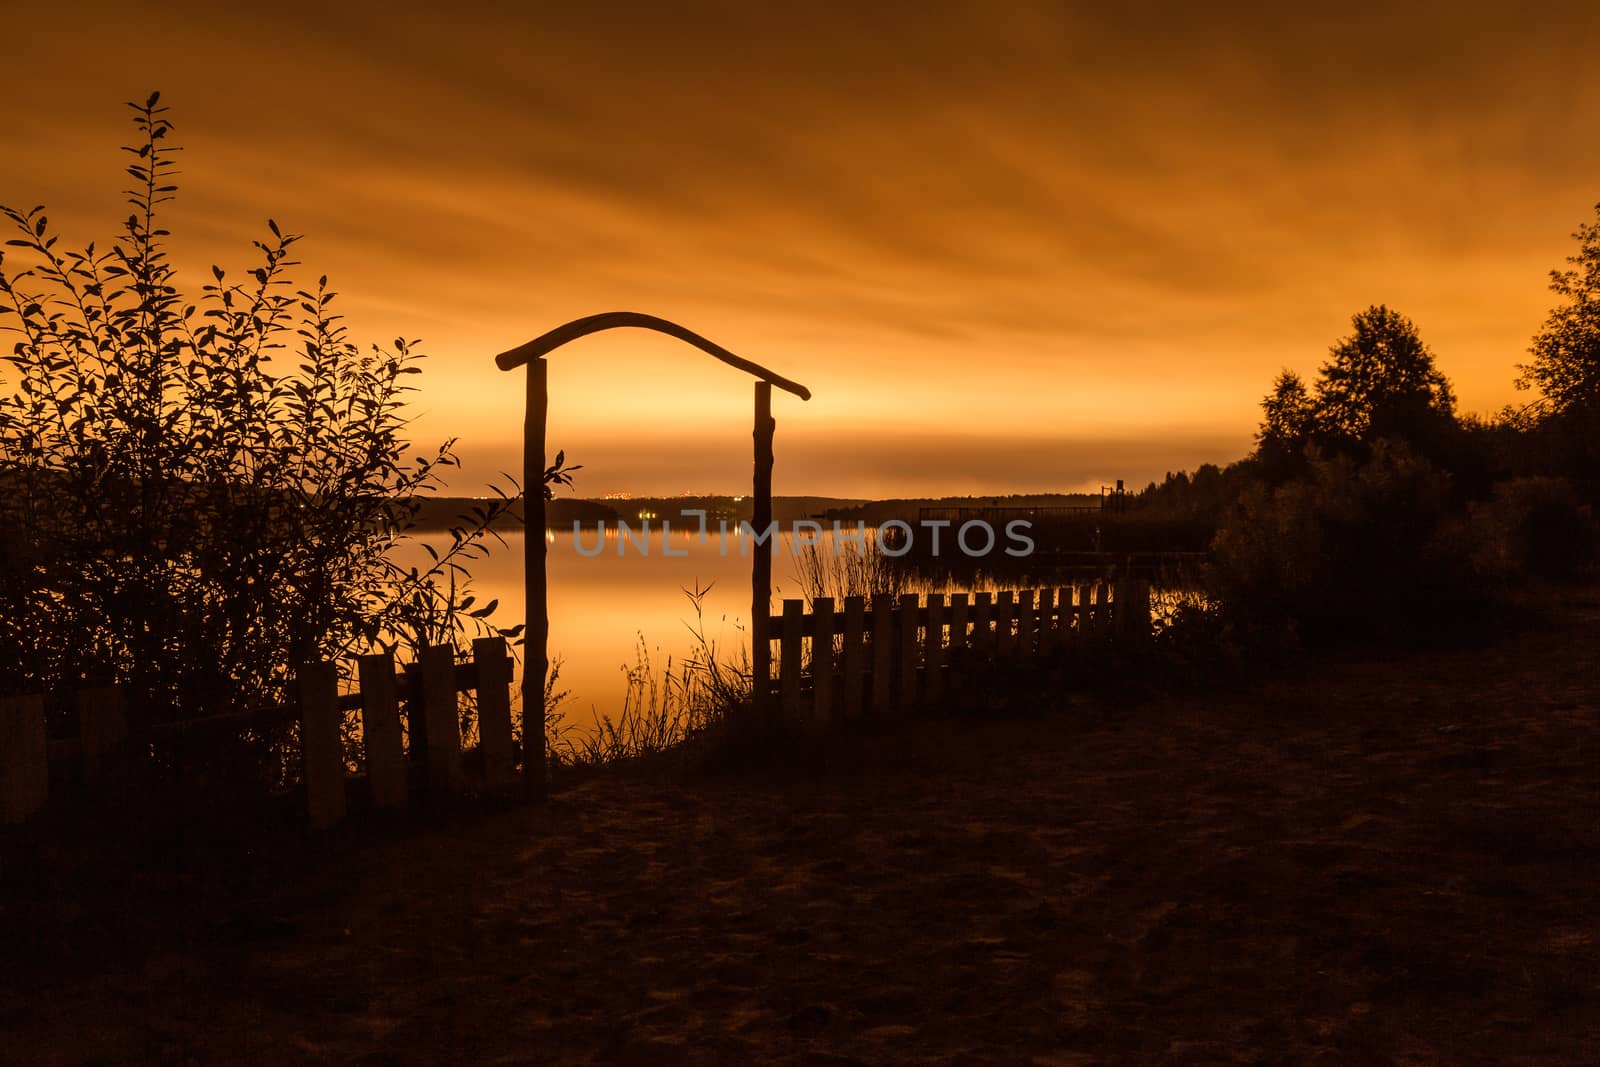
(665, 707)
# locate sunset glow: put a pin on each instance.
(1010, 248)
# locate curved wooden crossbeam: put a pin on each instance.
(610, 320)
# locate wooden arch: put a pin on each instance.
(535, 552)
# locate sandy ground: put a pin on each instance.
(1383, 861)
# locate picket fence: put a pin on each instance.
(879, 656)
(427, 691)
(891, 654)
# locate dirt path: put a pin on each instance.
(1386, 862)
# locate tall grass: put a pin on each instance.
(830, 569)
(678, 703)
(1178, 590)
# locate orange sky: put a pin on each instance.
(1010, 247)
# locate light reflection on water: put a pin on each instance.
(601, 606)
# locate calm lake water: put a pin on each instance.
(603, 608)
(607, 605)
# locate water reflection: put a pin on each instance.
(608, 595)
(603, 604)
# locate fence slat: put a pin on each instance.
(1044, 631)
(1102, 609)
(103, 729)
(439, 710)
(1005, 637)
(1085, 610)
(958, 621)
(908, 651)
(982, 635)
(882, 651)
(321, 743)
(933, 651)
(1063, 634)
(958, 641)
(789, 659)
(822, 660)
(493, 662)
(380, 726)
(24, 759)
(854, 656)
(1027, 622)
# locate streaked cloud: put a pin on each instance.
(969, 228)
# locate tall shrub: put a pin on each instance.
(199, 493)
(1349, 549)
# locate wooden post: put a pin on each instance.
(321, 744)
(854, 656)
(908, 651)
(1102, 609)
(882, 652)
(761, 560)
(822, 660)
(102, 728)
(24, 759)
(493, 664)
(1085, 610)
(982, 636)
(535, 769)
(439, 709)
(380, 725)
(1005, 639)
(789, 658)
(933, 651)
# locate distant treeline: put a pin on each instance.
(441, 513)
(907, 509)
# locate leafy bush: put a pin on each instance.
(1349, 549)
(181, 513)
(1530, 526)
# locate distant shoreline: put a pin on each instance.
(441, 513)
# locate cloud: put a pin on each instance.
(1122, 218)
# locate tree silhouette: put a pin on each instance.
(1288, 424)
(1566, 352)
(1381, 382)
